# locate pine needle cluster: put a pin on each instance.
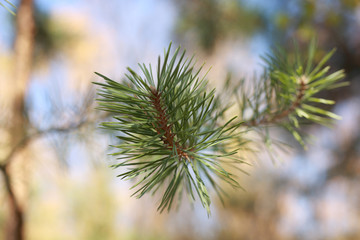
(169, 131)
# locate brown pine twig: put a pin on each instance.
(270, 119)
(163, 126)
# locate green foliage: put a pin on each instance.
(172, 131)
(286, 93)
(211, 21)
(303, 19)
(4, 5)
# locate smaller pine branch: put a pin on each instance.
(286, 94)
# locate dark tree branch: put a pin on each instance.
(15, 225)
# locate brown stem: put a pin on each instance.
(273, 118)
(15, 225)
(163, 126)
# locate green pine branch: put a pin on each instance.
(172, 134)
(169, 135)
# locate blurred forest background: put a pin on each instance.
(55, 178)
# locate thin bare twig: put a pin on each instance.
(39, 133)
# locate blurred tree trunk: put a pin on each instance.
(17, 125)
